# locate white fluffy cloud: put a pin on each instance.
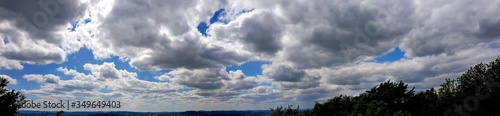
(10, 79)
(50, 78)
(108, 71)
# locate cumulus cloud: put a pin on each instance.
(313, 37)
(107, 70)
(42, 19)
(239, 81)
(33, 77)
(437, 31)
(35, 32)
(259, 31)
(213, 79)
(164, 77)
(88, 86)
(284, 73)
(262, 94)
(200, 78)
(166, 41)
(11, 80)
(213, 83)
(9, 64)
(50, 78)
(288, 78)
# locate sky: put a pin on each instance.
(179, 55)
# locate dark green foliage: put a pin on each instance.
(334, 107)
(374, 108)
(10, 101)
(425, 103)
(476, 92)
(395, 95)
(386, 99)
(288, 111)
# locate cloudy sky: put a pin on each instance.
(177, 55)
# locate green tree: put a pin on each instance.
(388, 98)
(396, 95)
(374, 108)
(448, 92)
(476, 92)
(337, 106)
(288, 111)
(10, 100)
(425, 103)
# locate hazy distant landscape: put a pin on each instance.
(122, 113)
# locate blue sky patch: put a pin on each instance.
(73, 26)
(251, 68)
(394, 55)
(202, 28)
(184, 90)
(106, 90)
(5, 40)
(217, 17)
(87, 20)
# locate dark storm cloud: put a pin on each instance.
(305, 83)
(489, 29)
(189, 54)
(448, 28)
(262, 33)
(289, 78)
(205, 79)
(35, 31)
(285, 73)
(213, 78)
(34, 56)
(47, 16)
(149, 13)
(242, 84)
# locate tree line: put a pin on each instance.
(476, 92)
